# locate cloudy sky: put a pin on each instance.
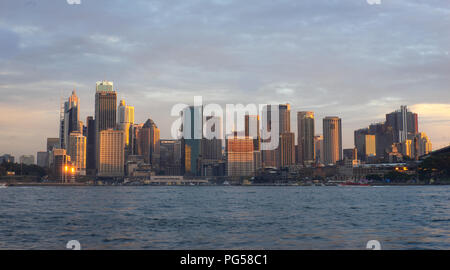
(335, 57)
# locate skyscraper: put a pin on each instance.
(71, 118)
(404, 123)
(318, 148)
(305, 137)
(332, 140)
(125, 120)
(52, 143)
(365, 144)
(105, 110)
(150, 140)
(90, 146)
(77, 147)
(192, 130)
(111, 153)
(271, 158)
(286, 150)
(239, 151)
(42, 159)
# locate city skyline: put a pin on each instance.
(227, 53)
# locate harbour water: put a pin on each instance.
(225, 217)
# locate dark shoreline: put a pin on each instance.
(209, 185)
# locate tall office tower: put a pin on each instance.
(424, 144)
(332, 140)
(270, 158)
(90, 146)
(6, 158)
(125, 120)
(61, 166)
(305, 138)
(52, 143)
(384, 138)
(71, 117)
(365, 143)
(192, 130)
(42, 159)
(239, 151)
(404, 123)
(27, 159)
(135, 140)
(212, 148)
(77, 148)
(170, 163)
(407, 148)
(111, 160)
(149, 140)
(286, 150)
(252, 129)
(105, 111)
(318, 147)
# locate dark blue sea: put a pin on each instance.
(225, 217)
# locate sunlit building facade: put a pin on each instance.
(111, 153)
(332, 140)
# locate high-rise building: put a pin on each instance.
(6, 158)
(271, 158)
(27, 159)
(52, 143)
(404, 123)
(239, 151)
(77, 147)
(332, 140)
(170, 163)
(365, 144)
(192, 131)
(125, 120)
(212, 147)
(90, 146)
(286, 150)
(318, 147)
(149, 138)
(42, 159)
(71, 117)
(111, 153)
(105, 111)
(62, 167)
(424, 144)
(305, 137)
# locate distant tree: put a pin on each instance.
(435, 166)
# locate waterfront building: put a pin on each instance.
(170, 157)
(305, 138)
(77, 146)
(105, 111)
(424, 144)
(71, 118)
(332, 140)
(239, 153)
(6, 158)
(42, 159)
(192, 135)
(90, 146)
(404, 123)
(125, 120)
(318, 148)
(286, 150)
(111, 153)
